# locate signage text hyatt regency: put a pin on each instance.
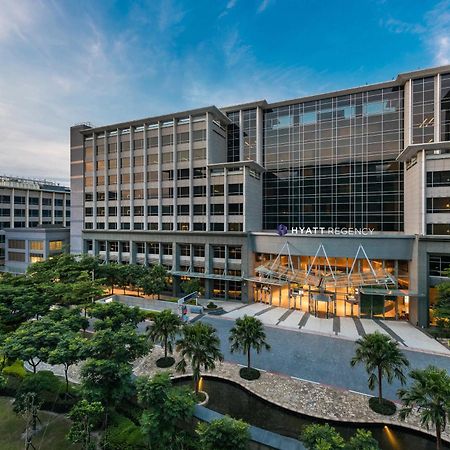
(332, 230)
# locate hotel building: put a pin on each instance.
(34, 221)
(337, 203)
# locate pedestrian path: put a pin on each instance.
(351, 328)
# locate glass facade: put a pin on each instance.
(331, 162)
(233, 148)
(423, 110)
(445, 107)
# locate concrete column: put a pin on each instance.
(131, 178)
(132, 252)
(437, 108)
(241, 135)
(408, 113)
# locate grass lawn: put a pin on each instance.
(51, 437)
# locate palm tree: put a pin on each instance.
(247, 334)
(429, 394)
(199, 344)
(382, 357)
(165, 327)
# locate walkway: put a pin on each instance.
(351, 328)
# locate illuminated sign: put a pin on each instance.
(333, 230)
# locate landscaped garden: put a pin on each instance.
(45, 317)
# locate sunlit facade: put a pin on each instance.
(337, 204)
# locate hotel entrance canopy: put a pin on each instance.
(277, 272)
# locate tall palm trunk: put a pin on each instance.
(165, 346)
(248, 358)
(380, 385)
(438, 437)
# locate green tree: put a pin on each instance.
(429, 393)
(28, 408)
(84, 416)
(442, 310)
(165, 327)
(83, 291)
(247, 334)
(200, 345)
(70, 350)
(33, 341)
(192, 285)
(165, 407)
(223, 434)
(33, 391)
(362, 440)
(134, 274)
(158, 275)
(321, 437)
(109, 272)
(70, 318)
(114, 315)
(382, 358)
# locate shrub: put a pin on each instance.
(163, 362)
(123, 434)
(249, 373)
(211, 305)
(314, 436)
(16, 369)
(385, 407)
(150, 314)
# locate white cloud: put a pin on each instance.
(263, 5)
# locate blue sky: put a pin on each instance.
(103, 61)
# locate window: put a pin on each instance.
(167, 157)
(153, 193)
(236, 209)
(235, 189)
(167, 249)
(198, 251)
(125, 178)
(140, 247)
(101, 211)
(199, 210)
(235, 226)
(112, 179)
(199, 172)
(438, 205)
(18, 244)
(112, 195)
(199, 153)
(199, 191)
(183, 156)
(438, 178)
(152, 141)
(125, 146)
(125, 211)
(112, 147)
(438, 264)
(20, 200)
(112, 163)
(217, 190)
(100, 196)
(199, 135)
(153, 210)
(217, 227)
(138, 210)
(183, 210)
(100, 225)
(199, 226)
(183, 174)
(113, 246)
(7, 199)
(167, 192)
(183, 191)
(139, 193)
(153, 175)
(167, 139)
(18, 257)
(112, 226)
(183, 138)
(167, 210)
(217, 209)
(167, 175)
(439, 229)
(167, 226)
(183, 226)
(219, 251)
(112, 210)
(125, 246)
(153, 248)
(185, 250)
(125, 226)
(100, 165)
(234, 252)
(55, 245)
(138, 143)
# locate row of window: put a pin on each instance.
(33, 201)
(216, 190)
(438, 178)
(167, 210)
(166, 226)
(438, 205)
(32, 224)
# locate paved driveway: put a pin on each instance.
(314, 357)
(404, 333)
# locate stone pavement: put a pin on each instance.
(407, 335)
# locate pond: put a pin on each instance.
(229, 398)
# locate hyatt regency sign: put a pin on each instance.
(332, 230)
